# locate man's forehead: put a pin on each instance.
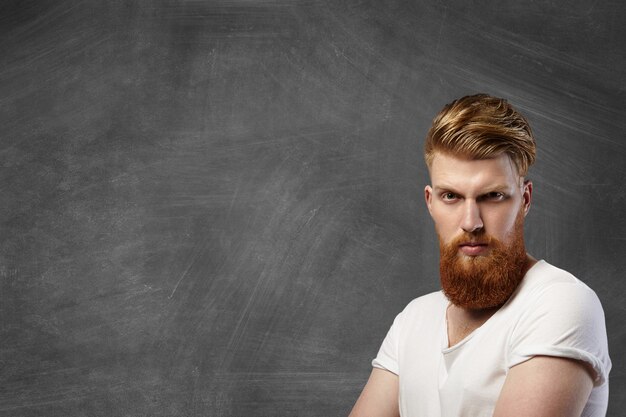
(454, 171)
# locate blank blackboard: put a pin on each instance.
(215, 208)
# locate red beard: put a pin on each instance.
(482, 282)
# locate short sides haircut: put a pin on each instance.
(481, 127)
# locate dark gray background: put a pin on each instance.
(216, 208)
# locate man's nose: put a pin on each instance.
(472, 221)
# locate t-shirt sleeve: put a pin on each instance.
(566, 320)
(387, 357)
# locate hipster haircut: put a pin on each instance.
(481, 127)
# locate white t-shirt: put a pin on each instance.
(551, 313)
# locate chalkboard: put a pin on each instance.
(215, 208)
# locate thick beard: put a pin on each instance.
(482, 282)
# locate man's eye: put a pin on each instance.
(449, 196)
(494, 196)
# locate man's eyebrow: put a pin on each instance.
(443, 187)
(498, 187)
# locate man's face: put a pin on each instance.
(468, 195)
(479, 207)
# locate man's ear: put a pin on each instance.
(428, 196)
(527, 195)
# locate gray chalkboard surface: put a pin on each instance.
(215, 208)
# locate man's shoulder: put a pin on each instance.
(544, 277)
(423, 313)
(556, 314)
(426, 303)
(548, 291)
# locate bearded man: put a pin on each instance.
(508, 335)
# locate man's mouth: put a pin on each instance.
(473, 248)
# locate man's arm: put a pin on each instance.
(379, 397)
(545, 386)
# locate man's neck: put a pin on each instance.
(530, 262)
(462, 321)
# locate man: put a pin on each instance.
(508, 335)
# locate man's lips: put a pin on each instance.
(473, 248)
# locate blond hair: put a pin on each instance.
(481, 127)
